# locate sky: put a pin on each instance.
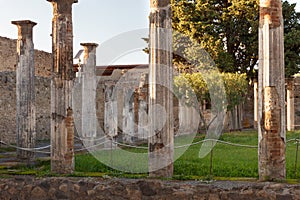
(117, 26)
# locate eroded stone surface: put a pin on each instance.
(98, 188)
(271, 92)
(25, 90)
(62, 122)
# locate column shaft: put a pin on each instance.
(89, 118)
(255, 99)
(62, 122)
(26, 111)
(290, 104)
(271, 116)
(161, 133)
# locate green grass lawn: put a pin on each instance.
(227, 161)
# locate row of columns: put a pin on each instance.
(271, 115)
(62, 122)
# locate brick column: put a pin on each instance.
(89, 119)
(26, 111)
(161, 133)
(290, 105)
(271, 116)
(62, 122)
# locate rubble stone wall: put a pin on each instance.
(8, 107)
(99, 188)
(43, 65)
(8, 58)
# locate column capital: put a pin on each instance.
(24, 23)
(88, 44)
(88, 47)
(24, 27)
(62, 1)
(62, 6)
(159, 3)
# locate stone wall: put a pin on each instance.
(43, 65)
(99, 188)
(8, 107)
(8, 56)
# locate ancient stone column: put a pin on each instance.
(255, 99)
(290, 105)
(89, 119)
(128, 115)
(62, 122)
(110, 113)
(161, 127)
(271, 116)
(26, 125)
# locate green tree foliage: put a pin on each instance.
(228, 31)
(223, 91)
(291, 38)
(208, 86)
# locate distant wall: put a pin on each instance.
(43, 65)
(8, 107)
(8, 56)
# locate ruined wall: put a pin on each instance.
(8, 107)
(8, 53)
(99, 188)
(43, 64)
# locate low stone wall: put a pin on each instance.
(96, 188)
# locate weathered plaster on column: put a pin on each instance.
(26, 111)
(161, 133)
(62, 122)
(271, 116)
(290, 101)
(88, 75)
(255, 99)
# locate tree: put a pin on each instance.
(210, 87)
(228, 31)
(291, 38)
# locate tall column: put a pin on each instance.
(161, 133)
(255, 99)
(271, 117)
(62, 122)
(110, 113)
(26, 125)
(89, 119)
(290, 105)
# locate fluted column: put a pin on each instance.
(26, 111)
(161, 133)
(89, 119)
(271, 117)
(290, 105)
(62, 122)
(255, 99)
